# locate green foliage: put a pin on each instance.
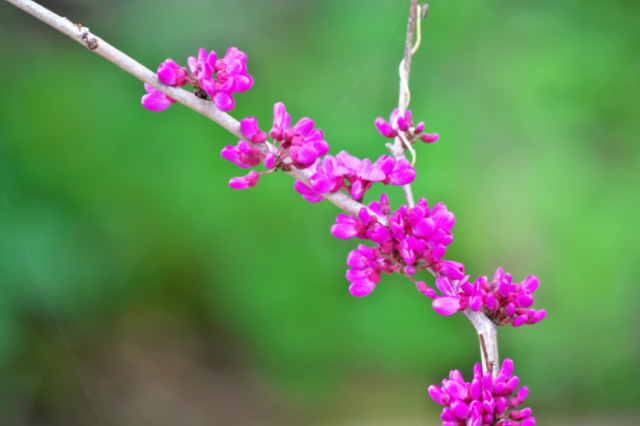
(122, 209)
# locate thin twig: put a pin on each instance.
(485, 328)
(94, 43)
(398, 150)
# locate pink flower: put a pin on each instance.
(243, 155)
(250, 130)
(361, 173)
(307, 193)
(429, 137)
(155, 100)
(231, 77)
(404, 123)
(448, 304)
(367, 264)
(388, 130)
(245, 182)
(202, 71)
(173, 74)
(484, 400)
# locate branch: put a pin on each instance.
(94, 43)
(485, 327)
(398, 149)
(488, 336)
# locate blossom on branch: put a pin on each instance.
(414, 239)
(500, 300)
(209, 76)
(155, 100)
(403, 123)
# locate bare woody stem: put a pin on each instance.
(485, 328)
(97, 45)
(398, 149)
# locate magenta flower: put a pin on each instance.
(173, 74)
(329, 176)
(366, 264)
(245, 182)
(243, 155)
(209, 76)
(361, 174)
(250, 130)
(202, 71)
(307, 193)
(429, 137)
(448, 304)
(299, 146)
(233, 67)
(414, 239)
(403, 123)
(484, 401)
(390, 129)
(502, 301)
(155, 100)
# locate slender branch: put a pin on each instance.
(485, 328)
(488, 336)
(94, 43)
(398, 150)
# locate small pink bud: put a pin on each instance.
(246, 181)
(529, 421)
(419, 128)
(429, 137)
(402, 124)
(460, 409)
(518, 321)
(448, 416)
(437, 394)
(426, 290)
(385, 128)
(269, 160)
(540, 315)
(362, 288)
(501, 405)
(520, 415)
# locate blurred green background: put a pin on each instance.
(136, 288)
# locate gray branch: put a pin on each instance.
(398, 149)
(94, 43)
(485, 327)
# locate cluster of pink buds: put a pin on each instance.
(413, 239)
(404, 123)
(355, 176)
(501, 300)
(209, 76)
(407, 240)
(484, 401)
(298, 146)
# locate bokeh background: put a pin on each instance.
(136, 288)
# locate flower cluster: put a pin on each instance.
(298, 146)
(404, 123)
(501, 300)
(413, 239)
(406, 240)
(484, 401)
(344, 171)
(209, 76)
